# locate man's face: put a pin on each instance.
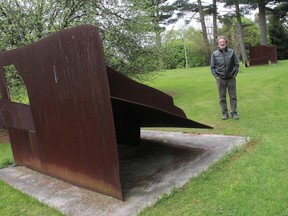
(222, 43)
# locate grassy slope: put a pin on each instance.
(250, 181)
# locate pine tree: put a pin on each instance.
(279, 37)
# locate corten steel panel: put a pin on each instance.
(259, 61)
(139, 93)
(68, 89)
(15, 115)
(138, 105)
(262, 54)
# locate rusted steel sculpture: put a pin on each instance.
(79, 109)
(261, 55)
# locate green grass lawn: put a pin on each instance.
(252, 180)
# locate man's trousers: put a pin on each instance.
(230, 85)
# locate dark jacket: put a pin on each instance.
(224, 64)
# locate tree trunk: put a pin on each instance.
(262, 23)
(215, 28)
(241, 35)
(204, 31)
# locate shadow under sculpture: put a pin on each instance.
(79, 110)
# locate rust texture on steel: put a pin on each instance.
(261, 55)
(79, 110)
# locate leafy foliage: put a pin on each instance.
(25, 21)
(16, 88)
(125, 29)
(173, 49)
(173, 55)
(279, 37)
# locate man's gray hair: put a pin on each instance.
(221, 37)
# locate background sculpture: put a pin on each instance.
(261, 55)
(79, 109)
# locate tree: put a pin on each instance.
(126, 31)
(204, 31)
(173, 46)
(195, 48)
(263, 7)
(173, 54)
(262, 22)
(279, 37)
(215, 27)
(278, 31)
(185, 7)
(24, 21)
(158, 14)
(238, 15)
(128, 37)
(241, 34)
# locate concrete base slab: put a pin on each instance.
(162, 161)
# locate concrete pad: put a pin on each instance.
(162, 161)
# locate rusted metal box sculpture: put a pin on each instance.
(79, 110)
(261, 55)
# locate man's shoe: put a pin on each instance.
(224, 116)
(235, 116)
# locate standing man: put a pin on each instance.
(224, 67)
